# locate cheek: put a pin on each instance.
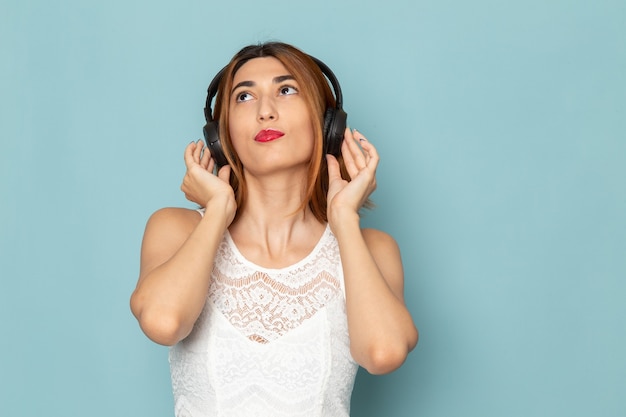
(309, 126)
(235, 134)
(236, 128)
(305, 121)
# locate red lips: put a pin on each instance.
(268, 135)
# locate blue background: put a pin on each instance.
(502, 131)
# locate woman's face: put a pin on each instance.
(270, 126)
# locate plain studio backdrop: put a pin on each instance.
(502, 131)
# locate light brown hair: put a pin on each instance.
(318, 97)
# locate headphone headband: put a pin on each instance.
(212, 92)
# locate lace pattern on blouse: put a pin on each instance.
(265, 304)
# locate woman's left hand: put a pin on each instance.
(345, 197)
(381, 329)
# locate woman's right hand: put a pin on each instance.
(200, 185)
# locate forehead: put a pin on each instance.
(257, 69)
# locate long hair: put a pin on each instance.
(318, 97)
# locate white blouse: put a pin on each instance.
(269, 342)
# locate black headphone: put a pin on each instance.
(334, 118)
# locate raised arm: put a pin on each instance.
(177, 253)
(382, 332)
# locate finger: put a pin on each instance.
(352, 154)
(367, 150)
(205, 159)
(347, 152)
(348, 158)
(224, 173)
(198, 151)
(189, 150)
(333, 168)
(371, 154)
(360, 157)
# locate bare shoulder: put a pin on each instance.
(167, 229)
(170, 224)
(379, 241)
(180, 219)
(386, 254)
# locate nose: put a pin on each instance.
(267, 111)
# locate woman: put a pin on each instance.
(272, 295)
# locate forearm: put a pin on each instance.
(381, 329)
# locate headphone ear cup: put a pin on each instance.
(334, 129)
(212, 140)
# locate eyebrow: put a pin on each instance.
(275, 80)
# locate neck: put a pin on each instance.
(272, 226)
(275, 199)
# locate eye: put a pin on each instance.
(287, 90)
(244, 96)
